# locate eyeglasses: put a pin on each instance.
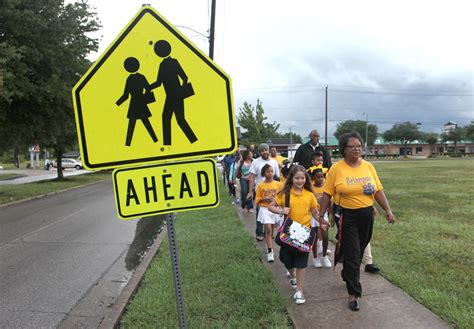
(353, 147)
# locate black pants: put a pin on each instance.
(357, 227)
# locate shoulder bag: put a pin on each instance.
(293, 235)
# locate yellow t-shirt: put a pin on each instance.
(266, 190)
(300, 205)
(318, 192)
(278, 159)
(350, 187)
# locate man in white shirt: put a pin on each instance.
(256, 178)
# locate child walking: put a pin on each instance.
(265, 194)
(322, 240)
(317, 162)
(303, 205)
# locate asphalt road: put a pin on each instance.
(66, 257)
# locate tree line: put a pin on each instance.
(43, 49)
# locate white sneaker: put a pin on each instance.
(326, 262)
(293, 283)
(299, 297)
(317, 263)
(288, 274)
(270, 257)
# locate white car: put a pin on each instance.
(71, 163)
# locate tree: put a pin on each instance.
(253, 120)
(295, 138)
(469, 131)
(405, 132)
(453, 135)
(430, 138)
(360, 127)
(47, 42)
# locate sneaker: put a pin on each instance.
(317, 263)
(293, 283)
(326, 262)
(288, 274)
(259, 238)
(251, 211)
(299, 298)
(270, 257)
(354, 305)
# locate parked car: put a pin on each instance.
(71, 163)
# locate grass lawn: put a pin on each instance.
(225, 283)
(8, 176)
(428, 253)
(9, 193)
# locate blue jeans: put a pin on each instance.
(244, 190)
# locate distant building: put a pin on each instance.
(449, 126)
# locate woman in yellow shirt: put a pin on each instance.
(353, 184)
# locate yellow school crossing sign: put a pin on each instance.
(152, 96)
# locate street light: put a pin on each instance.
(366, 132)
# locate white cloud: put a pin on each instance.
(400, 48)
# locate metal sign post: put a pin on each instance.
(170, 220)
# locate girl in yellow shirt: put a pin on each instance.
(265, 194)
(322, 242)
(302, 206)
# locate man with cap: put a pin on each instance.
(256, 178)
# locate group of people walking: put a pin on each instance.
(313, 192)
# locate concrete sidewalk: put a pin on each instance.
(382, 304)
(35, 175)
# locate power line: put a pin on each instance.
(391, 121)
(434, 94)
(306, 108)
(370, 90)
(404, 90)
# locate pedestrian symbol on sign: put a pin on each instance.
(169, 73)
(140, 95)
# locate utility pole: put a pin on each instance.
(211, 32)
(366, 133)
(291, 145)
(326, 120)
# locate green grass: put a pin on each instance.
(225, 283)
(10, 193)
(23, 164)
(9, 176)
(428, 253)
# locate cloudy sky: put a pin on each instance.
(390, 61)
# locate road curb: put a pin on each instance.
(113, 316)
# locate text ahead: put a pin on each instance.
(165, 188)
